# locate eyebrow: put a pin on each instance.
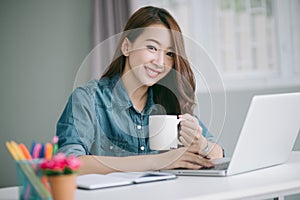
(157, 42)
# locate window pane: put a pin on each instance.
(247, 31)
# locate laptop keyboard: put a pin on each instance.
(218, 166)
(221, 166)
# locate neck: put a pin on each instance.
(137, 92)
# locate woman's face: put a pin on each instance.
(150, 57)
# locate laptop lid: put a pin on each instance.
(267, 137)
(268, 134)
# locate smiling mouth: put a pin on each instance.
(152, 73)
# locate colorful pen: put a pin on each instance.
(55, 145)
(16, 153)
(48, 151)
(42, 151)
(36, 151)
(25, 151)
(17, 150)
(32, 147)
(11, 151)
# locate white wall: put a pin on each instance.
(42, 44)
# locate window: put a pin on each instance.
(247, 36)
(254, 43)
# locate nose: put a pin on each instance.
(160, 59)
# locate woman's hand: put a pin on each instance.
(184, 157)
(191, 134)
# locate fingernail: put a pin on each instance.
(209, 164)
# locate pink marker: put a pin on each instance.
(36, 151)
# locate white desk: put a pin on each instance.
(276, 181)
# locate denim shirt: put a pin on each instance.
(100, 119)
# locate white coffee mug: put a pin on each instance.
(163, 132)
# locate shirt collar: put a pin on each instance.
(119, 93)
(121, 99)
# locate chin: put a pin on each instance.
(149, 83)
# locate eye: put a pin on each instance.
(171, 54)
(152, 48)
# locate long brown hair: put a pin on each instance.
(175, 92)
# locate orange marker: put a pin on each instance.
(48, 151)
(25, 151)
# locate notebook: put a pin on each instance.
(98, 181)
(267, 137)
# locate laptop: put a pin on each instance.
(267, 137)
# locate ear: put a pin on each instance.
(125, 47)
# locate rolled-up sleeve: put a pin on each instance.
(205, 131)
(75, 128)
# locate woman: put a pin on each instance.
(105, 122)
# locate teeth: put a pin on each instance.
(151, 72)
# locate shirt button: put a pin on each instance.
(111, 147)
(139, 127)
(142, 148)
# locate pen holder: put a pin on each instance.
(32, 183)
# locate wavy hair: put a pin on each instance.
(176, 91)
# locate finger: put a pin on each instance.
(186, 116)
(191, 137)
(187, 138)
(188, 165)
(184, 142)
(196, 159)
(190, 132)
(204, 162)
(189, 123)
(192, 126)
